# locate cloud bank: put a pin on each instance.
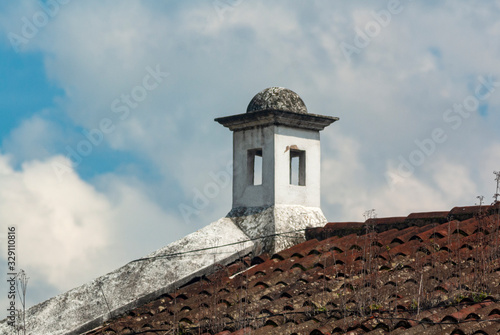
(415, 132)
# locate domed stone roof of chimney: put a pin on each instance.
(277, 99)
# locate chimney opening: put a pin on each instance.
(255, 166)
(297, 167)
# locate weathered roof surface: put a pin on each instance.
(413, 275)
(277, 98)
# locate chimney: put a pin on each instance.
(276, 168)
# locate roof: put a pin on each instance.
(427, 273)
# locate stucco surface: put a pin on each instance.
(284, 224)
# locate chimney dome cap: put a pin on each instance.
(277, 99)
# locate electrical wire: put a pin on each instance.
(181, 253)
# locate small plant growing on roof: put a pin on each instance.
(370, 214)
(22, 285)
(321, 309)
(479, 297)
(414, 305)
(497, 192)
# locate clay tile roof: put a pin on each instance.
(427, 273)
(464, 213)
(425, 218)
(386, 221)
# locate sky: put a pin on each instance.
(107, 108)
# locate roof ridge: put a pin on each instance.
(459, 213)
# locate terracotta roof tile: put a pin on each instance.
(420, 274)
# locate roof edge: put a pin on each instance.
(419, 219)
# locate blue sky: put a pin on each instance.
(416, 86)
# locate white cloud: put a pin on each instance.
(349, 186)
(60, 224)
(454, 182)
(68, 232)
(490, 161)
(33, 139)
